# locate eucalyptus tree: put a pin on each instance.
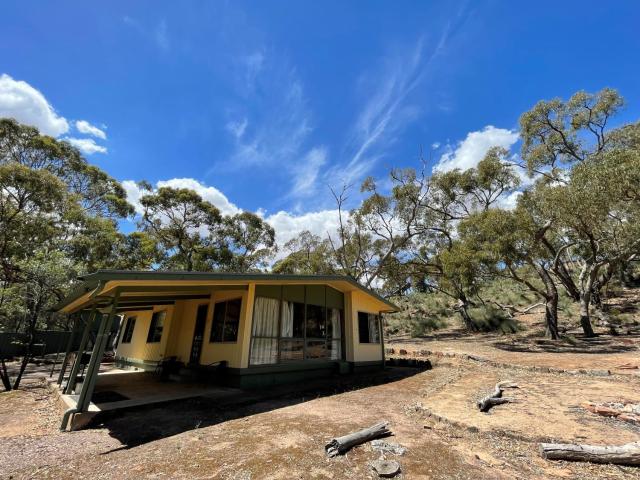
(182, 223)
(58, 218)
(307, 254)
(378, 234)
(509, 243)
(446, 263)
(247, 243)
(582, 166)
(98, 193)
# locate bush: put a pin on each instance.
(488, 318)
(421, 313)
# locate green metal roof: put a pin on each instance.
(90, 282)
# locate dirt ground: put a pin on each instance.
(432, 413)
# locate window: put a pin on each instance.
(296, 323)
(226, 318)
(368, 327)
(128, 330)
(156, 326)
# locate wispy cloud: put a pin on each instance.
(307, 171)
(271, 126)
(157, 34)
(388, 109)
(161, 36)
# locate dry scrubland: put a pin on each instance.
(431, 413)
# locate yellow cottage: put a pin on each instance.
(246, 330)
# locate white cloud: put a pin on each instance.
(27, 105)
(435, 145)
(86, 145)
(237, 128)
(85, 127)
(510, 201)
(288, 225)
(211, 194)
(474, 147)
(306, 172)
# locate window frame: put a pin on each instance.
(224, 321)
(128, 321)
(378, 325)
(328, 341)
(153, 327)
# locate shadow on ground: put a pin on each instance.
(139, 425)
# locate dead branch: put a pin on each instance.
(495, 397)
(628, 454)
(340, 445)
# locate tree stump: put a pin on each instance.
(385, 468)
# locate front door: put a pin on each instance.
(198, 334)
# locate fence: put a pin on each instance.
(47, 342)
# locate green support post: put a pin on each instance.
(71, 383)
(102, 338)
(65, 359)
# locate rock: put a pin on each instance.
(387, 447)
(385, 468)
(629, 417)
(606, 411)
(402, 351)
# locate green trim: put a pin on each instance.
(92, 281)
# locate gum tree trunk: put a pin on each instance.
(551, 304)
(587, 277)
(462, 308)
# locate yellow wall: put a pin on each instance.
(361, 352)
(139, 349)
(177, 335)
(179, 325)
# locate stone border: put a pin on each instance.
(402, 353)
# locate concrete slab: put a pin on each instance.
(139, 388)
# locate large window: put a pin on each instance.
(368, 327)
(156, 327)
(295, 323)
(226, 318)
(128, 330)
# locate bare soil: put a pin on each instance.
(431, 413)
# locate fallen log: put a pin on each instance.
(495, 397)
(340, 445)
(628, 454)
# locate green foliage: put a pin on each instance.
(420, 314)
(248, 243)
(182, 223)
(489, 318)
(308, 254)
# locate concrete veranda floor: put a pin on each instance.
(144, 388)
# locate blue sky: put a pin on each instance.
(262, 105)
